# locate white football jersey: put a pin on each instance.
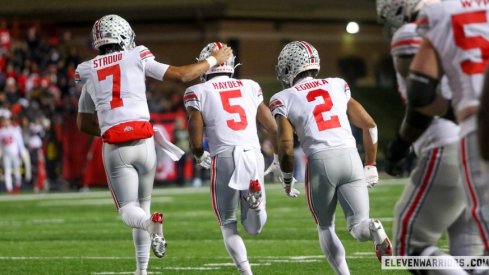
(317, 110)
(441, 131)
(114, 85)
(229, 107)
(459, 31)
(11, 140)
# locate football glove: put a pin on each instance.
(371, 175)
(288, 182)
(205, 160)
(394, 153)
(274, 166)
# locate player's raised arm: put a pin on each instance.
(190, 72)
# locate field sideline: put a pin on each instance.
(80, 233)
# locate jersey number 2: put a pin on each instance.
(459, 21)
(323, 124)
(115, 72)
(234, 109)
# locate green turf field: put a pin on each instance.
(80, 233)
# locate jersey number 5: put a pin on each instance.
(323, 124)
(459, 21)
(115, 72)
(234, 109)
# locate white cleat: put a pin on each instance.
(155, 229)
(383, 246)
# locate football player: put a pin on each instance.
(227, 109)
(421, 213)
(318, 110)
(114, 92)
(12, 148)
(455, 44)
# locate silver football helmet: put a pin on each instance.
(395, 13)
(226, 67)
(296, 57)
(113, 29)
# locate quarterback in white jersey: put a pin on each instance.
(114, 93)
(12, 147)
(318, 111)
(455, 43)
(228, 109)
(421, 213)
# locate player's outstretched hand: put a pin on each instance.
(274, 167)
(204, 160)
(222, 54)
(371, 175)
(288, 184)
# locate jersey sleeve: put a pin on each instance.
(345, 88)
(152, 68)
(191, 99)
(257, 93)
(81, 73)
(85, 103)
(405, 41)
(277, 106)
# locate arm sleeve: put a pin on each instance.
(191, 99)
(258, 94)
(85, 103)
(277, 107)
(152, 68)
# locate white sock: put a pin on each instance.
(361, 231)
(141, 245)
(133, 215)
(236, 247)
(333, 249)
(142, 242)
(254, 220)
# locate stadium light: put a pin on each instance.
(352, 27)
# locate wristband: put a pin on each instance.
(370, 164)
(212, 61)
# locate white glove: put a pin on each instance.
(288, 182)
(371, 175)
(204, 160)
(274, 166)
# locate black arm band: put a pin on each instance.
(421, 89)
(417, 120)
(450, 114)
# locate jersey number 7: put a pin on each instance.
(115, 72)
(323, 124)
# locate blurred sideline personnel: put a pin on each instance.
(318, 110)
(13, 152)
(228, 109)
(114, 91)
(454, 43)
(421, 213)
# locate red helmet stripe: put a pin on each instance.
(309, 50)
(219, 45)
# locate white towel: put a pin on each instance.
(166, 146)
(245, 168)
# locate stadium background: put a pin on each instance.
(43, 41)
